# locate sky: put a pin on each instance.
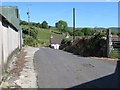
(88, 14)
(60, 0)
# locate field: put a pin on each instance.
(43, 35)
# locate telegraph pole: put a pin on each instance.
(28, 13)
(73, 23)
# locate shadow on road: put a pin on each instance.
(110, 81)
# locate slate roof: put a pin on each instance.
(115, 38)
(11, 14)
(56, 39)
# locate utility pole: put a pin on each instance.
(28, 13)
(50, 35)
(73, 23)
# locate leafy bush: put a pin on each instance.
(98, 45)
(70, 32)
(44, 43)
(23, 22)
(34, 33)
(29, 40)
(78, 33)
(115, 54)
(113, 33)
(95, 46)
(118, 34)
(65, 42)
(87, 31)
(25, 31)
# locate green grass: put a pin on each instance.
(115, 53)
(44, 34)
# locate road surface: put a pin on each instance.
(59, 69)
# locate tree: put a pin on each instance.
(49, 27)
(44, 24)
(70, 32)
(61, 25)
(33, 23)
(87, 31)
(38, 25)
(113, 33)
(78, 33)
(23, 22)
(118, 34)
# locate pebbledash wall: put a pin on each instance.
(10, 36)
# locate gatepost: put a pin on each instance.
(109, 42)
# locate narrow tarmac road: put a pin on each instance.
(59, 69)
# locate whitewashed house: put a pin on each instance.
(55, 41)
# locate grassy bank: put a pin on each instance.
(39, 36)
(115, 54)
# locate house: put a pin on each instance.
(55, 41)
(115, 41)
(10, 35)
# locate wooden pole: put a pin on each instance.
(28, 13)
(73, 23)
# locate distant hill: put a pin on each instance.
(115, 29)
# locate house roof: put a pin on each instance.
(115, 38)
(56, 39)
(10, 13)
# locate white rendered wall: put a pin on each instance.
(5, 43)
(9, 41)
(0, 51)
